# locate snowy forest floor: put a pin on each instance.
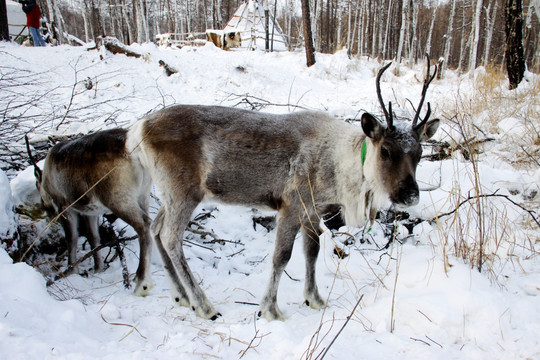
(420, 296)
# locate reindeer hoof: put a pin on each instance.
(143, 288)
(272, 314)
(316, 304)
(314, 300)
(209, 314)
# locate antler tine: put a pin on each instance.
(429, 78)
(423, 122)
(390, 121)
(387, 115)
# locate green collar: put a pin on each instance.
(364, 146)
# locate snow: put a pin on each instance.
(422, 297)
(8, 221)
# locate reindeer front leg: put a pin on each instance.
(311, 234)
(288, 226)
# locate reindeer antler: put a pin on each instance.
(429, 78)
(37, 171)
(387, 114)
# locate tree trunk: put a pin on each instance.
(315, 25)
(380, 38)
(402, 32)
(4, 28)
(360, 41)
(415, 4)
(374, 21)
(349, 25)
(475, 35)
(87, 31)
(489, 30)
(306, 19)
(431, 26)
(515, 62)
(386, 31)
(448, 39)
(463, 42)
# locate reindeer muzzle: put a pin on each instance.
(407, 194)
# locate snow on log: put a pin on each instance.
(115, 46)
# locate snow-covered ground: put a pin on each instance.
(420, 298)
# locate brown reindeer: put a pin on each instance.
(298, 164)
(95, 175)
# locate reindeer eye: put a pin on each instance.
(385, 154)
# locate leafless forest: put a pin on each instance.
(466, 33)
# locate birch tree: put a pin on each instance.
(402, 32)
(387, 29)
(515, 63)
(490, 26)
(448, 38)
(413, 26)
(463, 41)
(475, 35)
(431, 26)
(56, 20)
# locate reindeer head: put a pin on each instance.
(46, 199)
(396, 148)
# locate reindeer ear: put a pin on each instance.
(428, 130)
(372, 127)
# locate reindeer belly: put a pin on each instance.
(249, 177)
(92, 208)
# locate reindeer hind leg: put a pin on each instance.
(94, 239)
(175, 219)
(177, 289)
(70, 222)
(137, 218)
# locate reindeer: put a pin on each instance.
(95, 175)
(298, 164)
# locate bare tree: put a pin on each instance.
(515, 63)
(431, 26)
(448, 38)
(414, 26)
(403, 32)
(56, 20)
(475, 35)
(490, 27)
(4, 28)
(308, 39)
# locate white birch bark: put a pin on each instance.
(491, 16)
(431, 26)
(87, 30)
(402, 32)
(374, 28)
(387, 30)
(463, 42)
(475, 35)
(349, 26)
(448, 38)
(360, 41)
(380, 21)
(413, 26)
